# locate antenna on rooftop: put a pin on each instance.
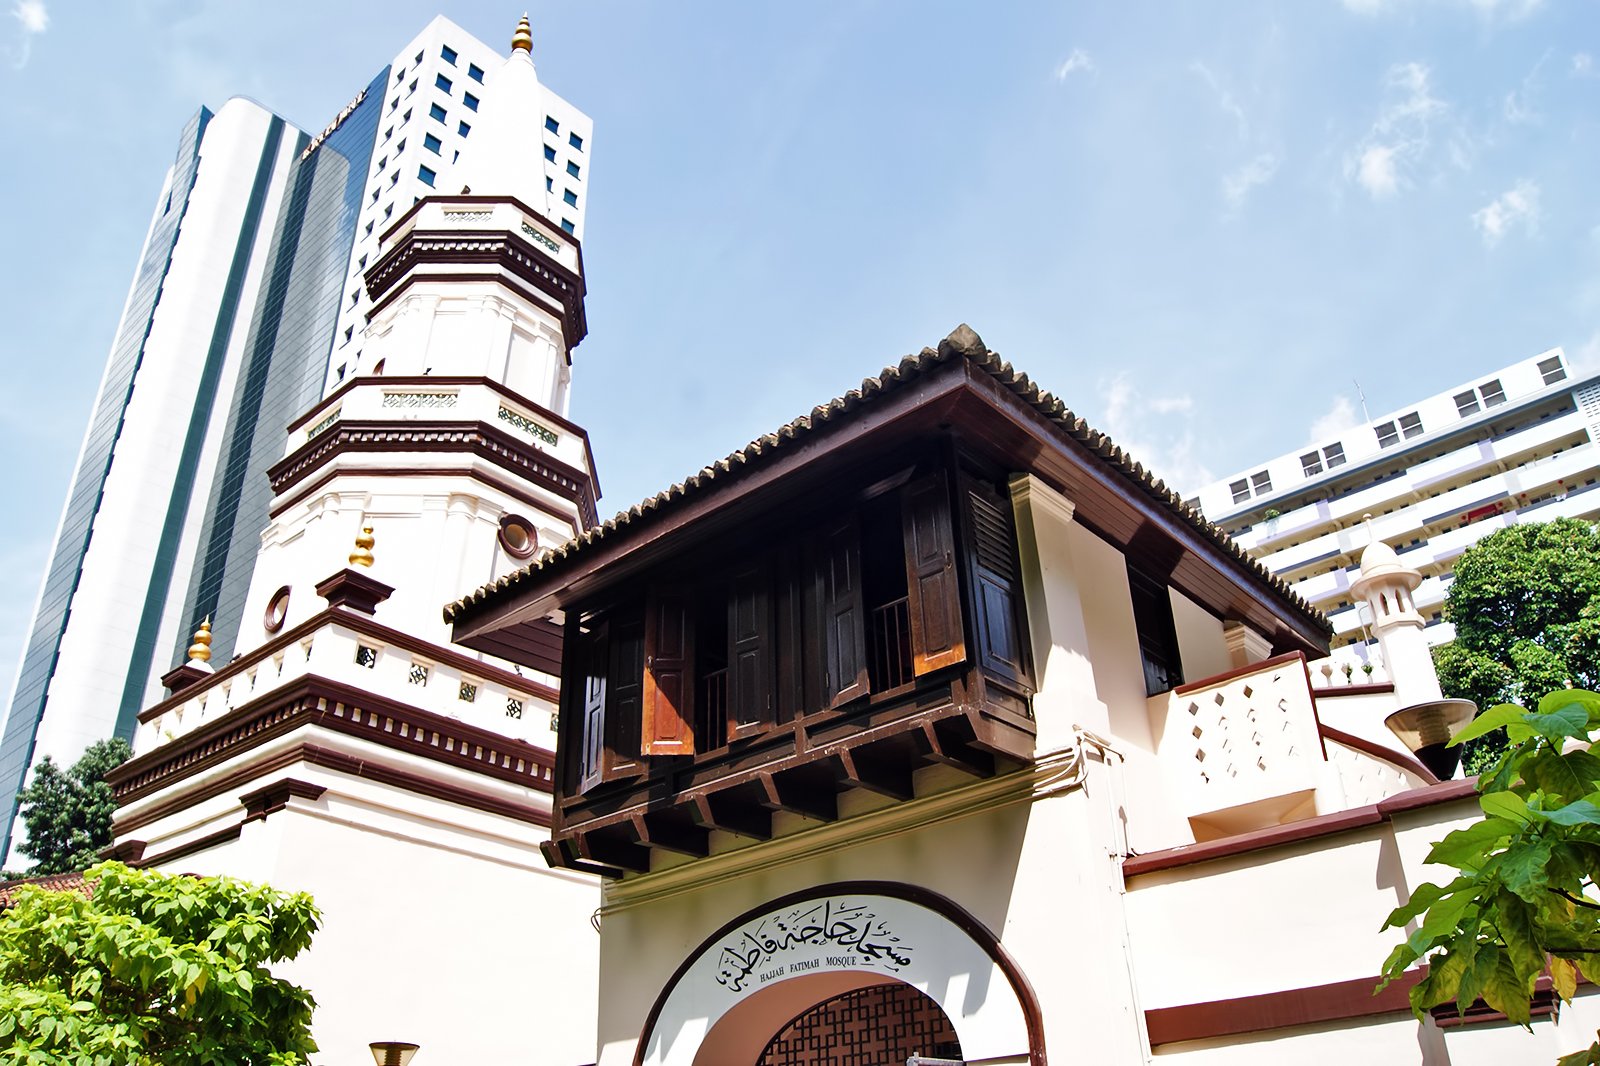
(1364, 416)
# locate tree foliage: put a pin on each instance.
(151, 969)
(1523, 902)
(67, 813)
(1525, 602)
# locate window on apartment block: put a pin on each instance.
(432, 143)
(1466, 403)
(362, 263)
(1411, 425)
(567, 225)
(551, 124)
(572, 168)
(426, 174)
(448, 54)
(1492, 393)
(417, 58)
(570, 198)
(475, 72)
(1551, 370)
(1261, 482)
(400, 147)
(576, 141)
(387, 211)
(1240, 490)
(1311, 463)
(436, 113)
(1158, 636)
(442, 83)
(462, 129)
(1333, 455)
(549, 154)
(549, 184)
(1387, 434)
(387, 134)
(471, 101)
(369, 230)
(411, 88)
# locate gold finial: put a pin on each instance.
(200, 650)
(362, 556)
(523, 38)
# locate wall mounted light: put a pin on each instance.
(392, 1052)
(1426, 729)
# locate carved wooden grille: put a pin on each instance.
(869, 1027)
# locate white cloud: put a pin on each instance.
(1518, 205)
(1401, 134)
(34, 19)
(1338, 418)
(1236, 187)
(1511, 10)
(1583, 65)
(1078, 62)
(1157, 431)
(1225, 98)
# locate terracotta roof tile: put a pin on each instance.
(67, 882)
(963, 343)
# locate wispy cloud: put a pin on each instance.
(1517, 206)
(1583, 65)
(34, 19)
(1340, 416)
(1401, 133)
(1157, 430)
(1519, 108)
(1225, 97)
(1079, 62)
(1238, 184)
(1509, 10)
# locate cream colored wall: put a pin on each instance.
(1102, 573)
(1393, 1039)
(1201, 645)
(1495, 1044)
(441, 925)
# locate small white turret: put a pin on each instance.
(1387, 585)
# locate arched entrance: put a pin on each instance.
(856, 957)
(885, 1023)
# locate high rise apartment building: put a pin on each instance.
(1518, 445)
(247, 305)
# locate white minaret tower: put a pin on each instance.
(1387, 585)
(451, 441)
(1425, 720)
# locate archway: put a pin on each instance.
(873, 950)
(884, 1023)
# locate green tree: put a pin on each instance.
(1524, 900)
(67, 813)
(152, 968)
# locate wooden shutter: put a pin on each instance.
(749, 652)
(591, 757)
(666, 720)
(838, 563)
(932, 593)
(996, 586)
(788, 631)
(624, 696)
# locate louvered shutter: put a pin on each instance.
(996, 586)
(624, 697)
(591, 757)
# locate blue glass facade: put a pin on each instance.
(88, 484)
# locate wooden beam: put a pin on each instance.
(878, 768)
(672, 831)
(732, 813)
(611, 851)
(949, 741)
(809, 791)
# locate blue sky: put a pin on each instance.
(1197, 223)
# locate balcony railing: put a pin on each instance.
(889, 650)
(711, 708)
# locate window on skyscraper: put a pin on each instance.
(1410, 425)
(1386, 434)
(1311, 463)
(1334, 454)
(463, 129)
(552, 125)
(426, 174)
(442, 83)
(1492, 393)
(1261, 482)
(412, 87)
(1466, 403)
(1240, 490)
(431, 143)
(570, 197)
(448, 54)
(549, 154)
(471, 101)
(572, 168)
(1552, 370)
(576, 141)
(436, 113)
(549, 184)
(474, 72)
(567, 225)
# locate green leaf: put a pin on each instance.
(1581, 812)
(1589, 1056)
(1470, 846)
(1505, 805)
(1569, 721)
(1501, 986)
(1588, 702)
(1490, 720)
(1570, 776)
(1522, 868)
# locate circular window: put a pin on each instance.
(517, 536)
(277, 610)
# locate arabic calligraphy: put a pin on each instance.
(861, 937)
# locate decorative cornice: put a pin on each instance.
(477, 438)
(508, 251)
(270, 799)
(354, 591)
(1029, 491)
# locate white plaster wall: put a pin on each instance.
(1495, 1044)
(1102, 573)
(1392, 1039)
(87, 684)
(1201, 644)
(1361, 715)
(441, 926)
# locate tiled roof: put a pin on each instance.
(961, 344)
(68, 882)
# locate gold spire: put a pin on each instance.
(362, 556)
(523, 38)
(200, 650)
